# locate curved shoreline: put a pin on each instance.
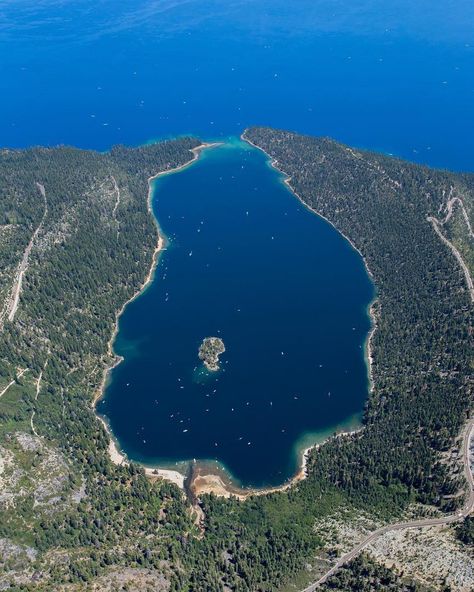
(212, 482)
(375, 304)
(205, 480)
(115, 454)
(149, 278)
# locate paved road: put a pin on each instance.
(456, 253)
(459, 515)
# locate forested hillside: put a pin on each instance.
(364, 575)
(422, 348)
(92, 252)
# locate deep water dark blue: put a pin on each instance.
(287, 294)
(396, 76)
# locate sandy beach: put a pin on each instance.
(118, 458)
(214, 483)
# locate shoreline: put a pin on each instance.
(375, 303)
(212, 482)
(115, 455)
(119, 458)
(149, 278)
(205, 480)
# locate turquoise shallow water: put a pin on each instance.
(287, 294)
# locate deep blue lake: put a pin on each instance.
(287, 294)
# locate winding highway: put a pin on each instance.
(468, 507)
(458, 516)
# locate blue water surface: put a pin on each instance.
(287, 294)
(396, 76)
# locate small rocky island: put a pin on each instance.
(209, 352)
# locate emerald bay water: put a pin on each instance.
(245, 261)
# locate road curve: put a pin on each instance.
(460, 515)
(456, 253)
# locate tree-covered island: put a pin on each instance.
(210, 350)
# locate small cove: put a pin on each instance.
(288, 295)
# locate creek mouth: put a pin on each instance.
(246, 262)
